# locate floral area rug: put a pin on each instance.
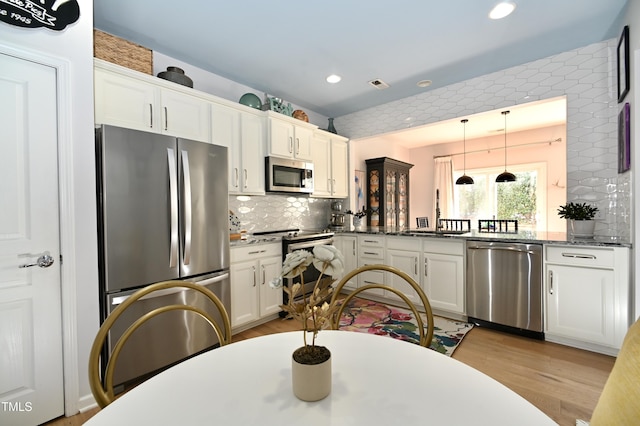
(367, 316)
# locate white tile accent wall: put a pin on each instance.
(276, 211)
(587, 76)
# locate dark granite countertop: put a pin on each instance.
(519, 237)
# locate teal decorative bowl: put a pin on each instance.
(251, 100)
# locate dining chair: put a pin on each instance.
(422, 222)
(619, 402)
(102, 387)
(426, 333)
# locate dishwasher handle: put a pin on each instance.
(510, 249)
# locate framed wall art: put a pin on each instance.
(623, 64)
(624, 139)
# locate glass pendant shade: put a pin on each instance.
(464, 179)
(505, 176)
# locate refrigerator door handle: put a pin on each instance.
(173, 196)
(187, 207)
(118, 300)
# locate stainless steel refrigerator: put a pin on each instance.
(163, 215)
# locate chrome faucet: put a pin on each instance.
(438, 226)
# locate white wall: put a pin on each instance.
(75, 46)
(632, 18)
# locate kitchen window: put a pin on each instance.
(524, 200)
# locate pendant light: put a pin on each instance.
(505, 176)
(464, 179)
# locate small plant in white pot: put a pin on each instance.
(580, 215)
(311, 363)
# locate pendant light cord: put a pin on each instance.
(505, 138)
(464, 144)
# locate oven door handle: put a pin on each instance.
(309, 244)
(208, 281)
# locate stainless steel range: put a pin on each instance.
(296, 239)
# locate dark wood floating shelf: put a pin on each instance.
(498, 225)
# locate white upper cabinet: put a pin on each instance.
(330, 165)
(340, 167)
(184, 116)
(134, 100)
(289, 137)
(243, 133)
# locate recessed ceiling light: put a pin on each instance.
(424, 83)
(333, 78)
(502, 10)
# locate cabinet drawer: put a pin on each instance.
(581, 256)
(404, 243)
(371, 241)
(371, 253)
(255, 251)
(442, 246)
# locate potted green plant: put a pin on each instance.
(580, 216)
(311, 363)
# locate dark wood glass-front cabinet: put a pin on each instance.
(388, 192)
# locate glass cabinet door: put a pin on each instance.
(388, 192)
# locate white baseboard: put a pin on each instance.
(86, 403)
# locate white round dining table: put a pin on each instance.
(376, 380)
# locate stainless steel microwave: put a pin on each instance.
(286, 175)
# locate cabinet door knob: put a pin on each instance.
(550, 282)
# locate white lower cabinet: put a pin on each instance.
(443, 274)
(587, 296)
(371, 252)
(252, 269)
(348, 246)
(404, 254)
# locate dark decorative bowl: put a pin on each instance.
(176, 75)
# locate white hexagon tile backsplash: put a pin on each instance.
(274, 212)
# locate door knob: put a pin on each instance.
(43, 261)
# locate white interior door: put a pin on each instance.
(31, 380)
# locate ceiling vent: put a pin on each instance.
(378, 84)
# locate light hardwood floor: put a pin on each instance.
(563, 382)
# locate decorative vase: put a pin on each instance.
(176, 75)
(582, 228)
(357, 222)
(331, 127)
(311, 382)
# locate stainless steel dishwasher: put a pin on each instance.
(504, 286)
